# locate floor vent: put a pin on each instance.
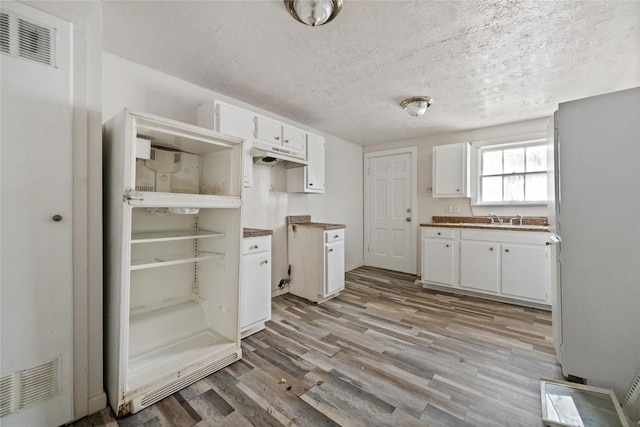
(27, 387)
(23, 38)
(182, 382)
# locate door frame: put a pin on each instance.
(413, 152)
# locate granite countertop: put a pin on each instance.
(255, 232)
(305, 221)
(539, 224)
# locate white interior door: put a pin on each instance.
(36, 219)
(390, 229)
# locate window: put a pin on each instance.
(513, 173)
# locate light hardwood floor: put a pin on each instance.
(386, 352)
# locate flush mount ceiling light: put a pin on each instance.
(416, 105)
(314, 12)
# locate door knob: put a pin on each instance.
(57, 218)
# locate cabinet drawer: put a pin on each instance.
(447, 233)
(256, 244)
(334, 235)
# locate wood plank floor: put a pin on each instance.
(386, 352)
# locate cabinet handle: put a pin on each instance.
(336, 236)
(330, 250)
(547, 243)
(506, 250)
(286, 140)
(490, 249)
(266, 261)
(277, 138)
(447, 245)
(457, 189)
(57, 218)
(254, 247)
(439, 233)
(311, 184)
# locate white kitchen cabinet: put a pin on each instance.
(439, 255)
(480, 266)
(499, 264)
(522, 275)
(451, 170)
(173, 194)
(309, 179)
(235, 121)
(275, 133)
(316, 256)
(255, 301)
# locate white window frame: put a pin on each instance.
(528, 139)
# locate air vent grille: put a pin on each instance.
(27, 387)
(22, 38)
(5, 38)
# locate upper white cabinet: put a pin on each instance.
(173, 241)
(451, 170)
(231, 120)
(276, 133)
(309, 179)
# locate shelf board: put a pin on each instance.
(156, 263)
(164, 236)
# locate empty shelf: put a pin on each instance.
(156, 262)
(163, 236)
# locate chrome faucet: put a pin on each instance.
(492, 215)
(520, 217)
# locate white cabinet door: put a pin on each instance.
(334, 267)
(309, 179)
(239, 123)
(268, 130)
(315, 157)
(524, 272)
(451, 170)
(438, 260)
(256, 288)
(479, 266)
(293, 138)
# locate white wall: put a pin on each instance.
(429, 206)
(128, 84)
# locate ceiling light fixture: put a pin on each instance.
(314, 12)
(416, 105)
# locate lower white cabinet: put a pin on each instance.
(439, 255)
(480, 270)
(501, 264)
(316, 256)
(521, 272)
(255, 299)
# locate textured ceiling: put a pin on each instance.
(484, 62)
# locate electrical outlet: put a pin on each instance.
(456, 208)
(448, 208)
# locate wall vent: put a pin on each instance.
(23, 38)
(27, 387)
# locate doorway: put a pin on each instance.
(390, 227)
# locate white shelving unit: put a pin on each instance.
(173, 194)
